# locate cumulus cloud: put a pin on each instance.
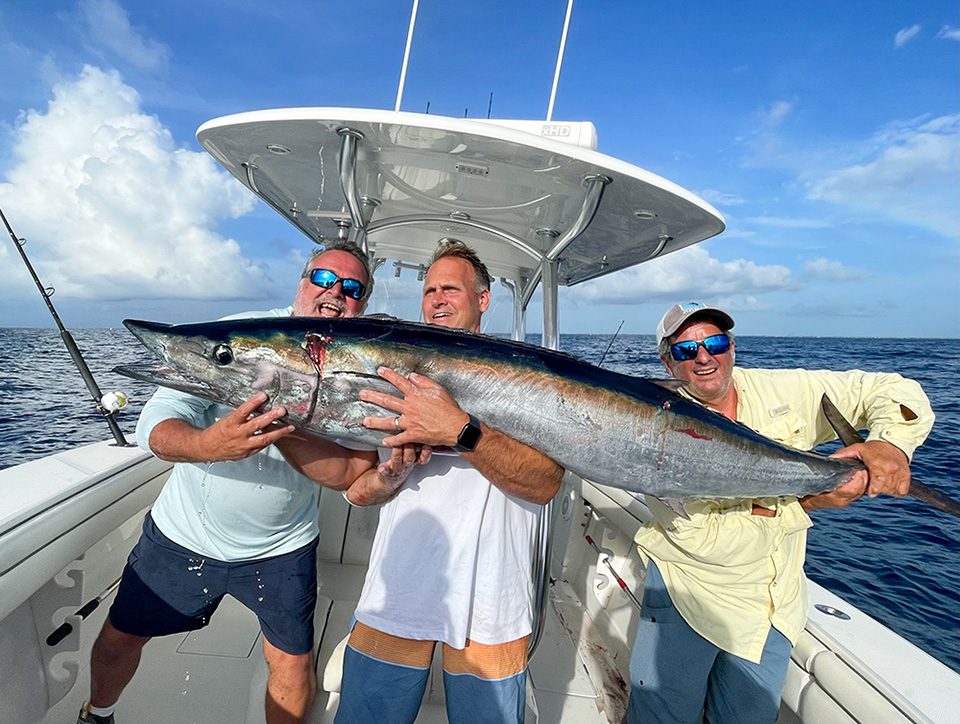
(675, 275)
(831, 270)
(905, 35)
(106, 26)
(114, 209)
(949, 33)
(911, 173)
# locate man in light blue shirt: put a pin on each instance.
(233, 518)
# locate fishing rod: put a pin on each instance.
(600, 363)
(64, 629)
(107, 405)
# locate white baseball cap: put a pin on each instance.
(678, 315)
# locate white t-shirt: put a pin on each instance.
(452, 559)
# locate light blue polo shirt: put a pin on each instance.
(232, 510)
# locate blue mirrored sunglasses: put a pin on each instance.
(353, 288)
(716, 344)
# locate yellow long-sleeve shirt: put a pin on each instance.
(732, 575)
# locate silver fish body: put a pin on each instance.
(604, 426)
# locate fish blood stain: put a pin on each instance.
(694, 434)
(316, 346)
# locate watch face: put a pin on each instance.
(469, 436)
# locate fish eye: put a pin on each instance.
(222, 354)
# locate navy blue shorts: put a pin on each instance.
(168, 589)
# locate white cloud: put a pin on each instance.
(107, 26)
(949, 33)
(691, 271)
(776, 113)
(114, 209)
(789, 222)
(911, 174)
(834, 271)
(905, 35)
(721, 198)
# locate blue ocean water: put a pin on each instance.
(895, 559)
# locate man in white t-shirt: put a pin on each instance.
(452, 557)
(234, 517)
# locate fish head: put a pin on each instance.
(229, 361)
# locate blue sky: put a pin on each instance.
(828, 134)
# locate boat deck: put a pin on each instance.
(217, 674)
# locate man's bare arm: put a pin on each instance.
(381, 483)
(235, 436)
(325, 462)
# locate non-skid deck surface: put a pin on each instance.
(217, 675)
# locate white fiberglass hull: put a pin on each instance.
(67, 522)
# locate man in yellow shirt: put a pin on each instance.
(725, 597)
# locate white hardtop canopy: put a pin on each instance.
(532, 198)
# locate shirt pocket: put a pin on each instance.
(788, 428)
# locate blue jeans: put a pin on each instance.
(676, 675)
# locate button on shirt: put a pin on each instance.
(732, 574)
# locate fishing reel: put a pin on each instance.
(111, 402)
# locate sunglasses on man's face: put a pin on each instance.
(683, 351)
(353, 288)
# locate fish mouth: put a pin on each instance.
(154, 336)
(166, 376)
(150, 334)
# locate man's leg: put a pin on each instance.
(291, 685)
(384, 677)
(159, 594)
(113, 663)
(669, 663)
(282, 592)
(486, 682)
(742, 691)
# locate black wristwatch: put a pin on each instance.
(469, 436)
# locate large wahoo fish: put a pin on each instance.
(604, 426)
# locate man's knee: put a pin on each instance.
(293, 670)
(113, 643)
